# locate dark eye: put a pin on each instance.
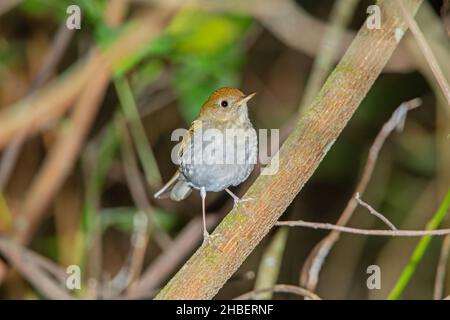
(224, 103)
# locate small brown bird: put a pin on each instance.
(218, 151)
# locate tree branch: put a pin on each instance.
(374, 212)
(242, 229)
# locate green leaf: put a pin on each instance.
(205, 33)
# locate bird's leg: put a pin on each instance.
(205, 231)
(236, 199)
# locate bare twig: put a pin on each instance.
(279, 288)
(309, 275)
(242, 229)
(47, 265)
(441, 269)
(29, 266)
(374, 212)
(367, 232)
(427, 52)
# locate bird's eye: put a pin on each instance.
(224, 103)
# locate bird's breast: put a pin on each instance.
(219, 156)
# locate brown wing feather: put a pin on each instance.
(195, 125)
(177, 187)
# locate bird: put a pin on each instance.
(218, 151)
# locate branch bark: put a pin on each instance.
(239, 233)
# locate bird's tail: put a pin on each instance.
(176, 188)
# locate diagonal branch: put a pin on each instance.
(244, 227)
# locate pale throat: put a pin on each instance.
(242, 118)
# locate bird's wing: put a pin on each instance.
(177, 187)
(188, 136)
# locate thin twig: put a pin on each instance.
(427, 52)
(374, 212)
(25, 263)
(366, 232)
(441, 269)
(309, 275)
(279, 288)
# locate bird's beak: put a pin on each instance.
(246, 98)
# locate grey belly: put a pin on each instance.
(217, 177)
(203, 167)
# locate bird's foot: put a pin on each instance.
(206, 237)
(237, 201)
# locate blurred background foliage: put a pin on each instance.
(168, 80)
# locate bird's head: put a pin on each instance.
(226, 104)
